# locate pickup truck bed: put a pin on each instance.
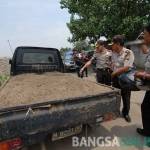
(32, 88)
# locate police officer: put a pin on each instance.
(102, 58)
(145, 75)
(122, 61)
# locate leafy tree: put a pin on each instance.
(81, 45)
(63, 50)
(93, 18)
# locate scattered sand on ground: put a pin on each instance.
(33, 88)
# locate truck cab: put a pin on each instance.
(35, 59)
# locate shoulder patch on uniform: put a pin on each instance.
(127, 54)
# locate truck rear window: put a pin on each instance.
(29, 58)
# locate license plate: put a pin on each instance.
(66, 133)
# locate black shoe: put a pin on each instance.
(142, 132)
(127, 118)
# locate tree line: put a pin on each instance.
(94, 18)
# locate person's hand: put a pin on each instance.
(113, 74)
(144, 48)
(81, 71)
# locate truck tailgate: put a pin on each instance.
(54, 116)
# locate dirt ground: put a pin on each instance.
(34, 88)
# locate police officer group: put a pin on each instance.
(111, 64)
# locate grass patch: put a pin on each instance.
(3, 78)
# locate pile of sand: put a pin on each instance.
(33, 88)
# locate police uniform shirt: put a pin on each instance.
(103, 59)
(124, 58)
(147, 63)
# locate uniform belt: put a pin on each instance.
(103, 69)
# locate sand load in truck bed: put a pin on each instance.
(28, 89)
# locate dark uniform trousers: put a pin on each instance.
(79, 65)
(145, 110)
(103, 76)
(125, 94)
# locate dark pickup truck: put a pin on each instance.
(30, 111)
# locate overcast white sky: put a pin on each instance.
(32, 23)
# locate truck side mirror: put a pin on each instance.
(10, 61)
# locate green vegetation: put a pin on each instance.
(94, 18)
(3, 78)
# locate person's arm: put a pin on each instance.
(120, 71)
(86, 65)
(147, 76)
(142, 75)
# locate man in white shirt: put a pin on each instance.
(122, 61)
(145, 76)
(102, 57)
